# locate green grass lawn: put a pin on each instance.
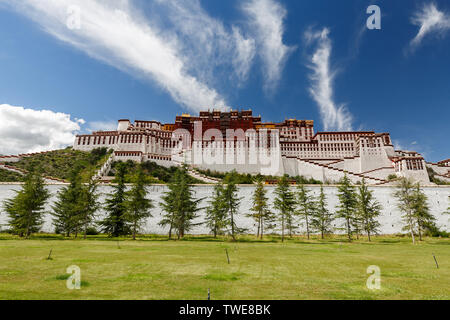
(153, 268)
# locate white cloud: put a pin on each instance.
(207, 41)
(244, 54)
(334, 116)
(102, 126)
(27, 130)
(398, 145)
(116, 32)
(266, 18)
(430, 20)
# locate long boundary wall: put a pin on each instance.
(391, 221)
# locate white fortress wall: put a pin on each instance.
(382, 173)
(391, 221)
(438, 169)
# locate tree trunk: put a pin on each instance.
(412, 233)
(262, 228)
(28, 225)
(348, 230)
(85, 230)
(232, 225)
(307, 227)
(368, 235)
(259, 227)
(282, 228)
(322, 227)
(419, 228)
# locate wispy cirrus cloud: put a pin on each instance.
(430, 21)
(208, 41)
(26, 130)
(266, 19)
(118, 33)
(334, 116)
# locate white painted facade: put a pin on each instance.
(291, 148)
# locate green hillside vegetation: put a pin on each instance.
(155, 173)
(8, 176)
(239, 178)
(59, 163)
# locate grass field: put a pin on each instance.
(154, 268)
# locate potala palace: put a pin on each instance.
(238, 140)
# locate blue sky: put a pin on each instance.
(282, 58)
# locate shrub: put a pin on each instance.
(91, 231)
(392, 177)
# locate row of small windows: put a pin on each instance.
(411, 164)
(414, 164)
(338, 137)
(99, 140)
(147, 125)
(293, 131)
(163, 158)
(128, 154)
(371, 143)
(323, 147)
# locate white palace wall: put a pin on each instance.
(391, 221)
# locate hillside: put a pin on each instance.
(240, 178)
(59, 163)
(155, 173)
(8, 176)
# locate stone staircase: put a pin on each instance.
(104, 170)
(199, 176)
(357, 176)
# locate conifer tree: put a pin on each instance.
(216, 212)
(68, 206)
(179, 204)
(261, 213)
(137, 205)
(425, 221)
(368, 210)
(169, 204)
(347, 205)
(115, 224)
(405, 197)
(90, 205)
(306, 206)
(322, 218)
(25, 210)
(285, 204)
(188, 206)
(231, 202)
